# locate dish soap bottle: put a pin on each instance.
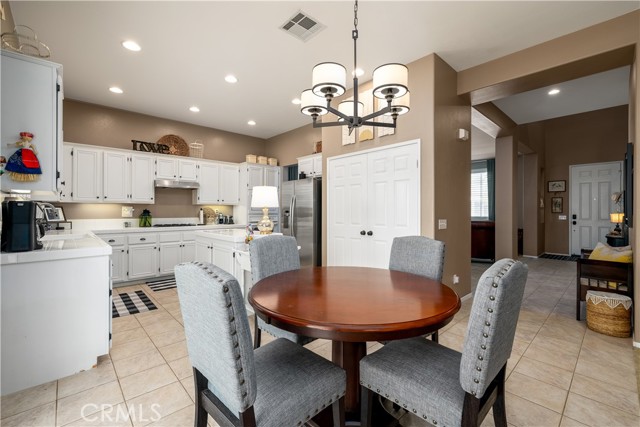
(201, 217)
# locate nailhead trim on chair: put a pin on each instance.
(497, 280)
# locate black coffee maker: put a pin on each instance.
(19, 229)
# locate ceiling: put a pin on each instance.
(189, 47)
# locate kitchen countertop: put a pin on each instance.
(230, 235)
(177, 228)
(56, 246)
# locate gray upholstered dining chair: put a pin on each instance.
(418, 255)
(445, 387)
(272, 255)
(279, 384)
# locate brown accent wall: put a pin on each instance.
(436, 112)
(505, 194)
(287, 147)
(593, 137)
(109, 127)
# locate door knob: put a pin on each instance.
(362, 233)
(369, 233)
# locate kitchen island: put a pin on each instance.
(56, 310)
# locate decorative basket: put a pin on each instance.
(273, 161)
(262, 160)
(196, 149)
(609, 313)
(177, 145)
(251, 158)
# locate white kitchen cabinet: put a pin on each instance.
(372, 197)
(66, 181)
(218, 248)
(203, 250)
(175, 248)
(172, 167)
(143, 255)
(310, 165)
(142, 187)
(119, 262)
(255, 175)
(31, 91)
(116, 177)
(260, 175)
(87, 174)
(219, 184)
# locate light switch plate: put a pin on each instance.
(127, 211)
(442, 224)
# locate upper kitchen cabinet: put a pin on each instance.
(219, 183)
(128, 177)
(31, 101)
(87, 174)
(253, 175)
(170, 167)
(310, 165)
(66, 180)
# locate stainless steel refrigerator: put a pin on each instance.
(301, 207)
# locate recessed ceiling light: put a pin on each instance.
(554, 91)
(131, 45)
(359, 72)
(194, 109)
(251, 123)
(231, 79)
(116, 89)
(296, 101)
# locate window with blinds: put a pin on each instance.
(479, 191)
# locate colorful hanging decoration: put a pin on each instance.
(23, 165)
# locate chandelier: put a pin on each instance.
(329, 80)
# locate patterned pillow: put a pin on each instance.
(604, 252)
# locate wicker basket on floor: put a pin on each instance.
(609, 313)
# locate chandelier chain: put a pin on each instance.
(355, 15)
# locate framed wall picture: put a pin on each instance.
(556, 204)
(556, 186)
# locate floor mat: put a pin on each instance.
(560, 257)
(130, 303)
(162, 284)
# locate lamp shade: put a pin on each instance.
(616, 217)
(264, 197)
(312, 104)
(400, 105)
(329, 78)
(346, 107)
(390, 80)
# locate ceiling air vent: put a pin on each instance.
(302, 26)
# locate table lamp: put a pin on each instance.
(265, 197)
(616, 218)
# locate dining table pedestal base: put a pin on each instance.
(347, 355)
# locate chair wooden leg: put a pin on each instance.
(200, 383)
(366, 403)
(499, 408)
(470, 411)
(434, 336)
(256, 332)
(338, 412)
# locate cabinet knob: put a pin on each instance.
(142, 239)
(362, 233)
(369, 233)
(97, 197)
(111, 241)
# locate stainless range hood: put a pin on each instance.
(176, 183)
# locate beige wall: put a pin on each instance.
(287, 147)
(7, 24)
(109, 127)
(435, 115)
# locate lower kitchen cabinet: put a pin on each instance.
(174, 249)
(143, 261)
(119, 262)
(219, 252)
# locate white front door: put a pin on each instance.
(372, 197)
(591, 188)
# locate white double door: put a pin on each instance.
(372, 197)
(592, 186)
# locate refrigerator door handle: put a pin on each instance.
(292, 218)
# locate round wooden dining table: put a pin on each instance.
(353, 305)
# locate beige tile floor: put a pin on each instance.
(560, 373)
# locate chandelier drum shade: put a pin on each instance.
(329, 80)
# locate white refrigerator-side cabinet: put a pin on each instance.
(32, 102)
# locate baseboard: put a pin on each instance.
(467, 297)
(636, 344)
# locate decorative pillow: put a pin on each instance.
(604, 252)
